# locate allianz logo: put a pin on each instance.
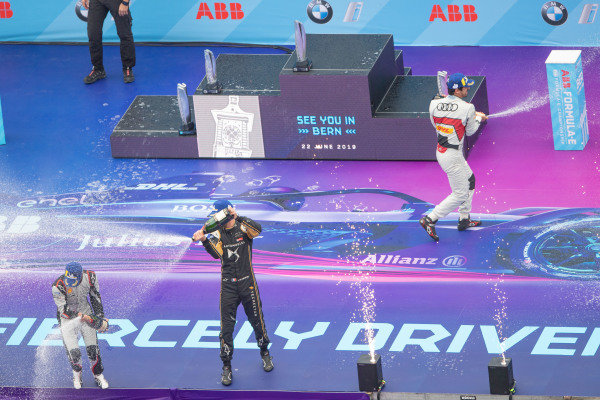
(454, 261)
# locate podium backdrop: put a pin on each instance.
(423, 22)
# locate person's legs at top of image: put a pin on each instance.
(120, 12)
(96, 15)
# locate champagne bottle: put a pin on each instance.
(218, 219)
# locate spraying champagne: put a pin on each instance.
(217, 220)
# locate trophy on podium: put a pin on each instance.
(187, 125)
(442, 84)
(303, 64)
(212, 85)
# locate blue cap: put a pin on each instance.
(219, 205)
(458, 80)
(73, 274)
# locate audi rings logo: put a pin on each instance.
(81, 12)
(447, 107)
(454, 261)
(319, 11)
(554, 13)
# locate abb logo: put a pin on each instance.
(220, 11)
(454, 14)
(5, 11)
(566, 79)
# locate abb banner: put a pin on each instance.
(426, 22)
(220, 11)
(454, 13)
(5, 11)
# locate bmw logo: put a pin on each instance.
(319, 11)
(554, 13)
(81, 12)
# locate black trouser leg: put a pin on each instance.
(123, 25)
(228, 304)
(253, 308)
(96, 15)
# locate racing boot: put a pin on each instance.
(94, 76)
(77, 383)
(267, 361)
(226, 376)
(128, 75)
(463, 224)
(101, 381)
(429, 225)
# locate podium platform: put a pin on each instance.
(358, 101)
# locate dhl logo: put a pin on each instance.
(445, 129)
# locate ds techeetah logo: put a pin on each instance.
(233, 253)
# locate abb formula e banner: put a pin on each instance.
(428, 22)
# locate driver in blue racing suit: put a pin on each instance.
(232, 244)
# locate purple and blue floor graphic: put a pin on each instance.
(341, 244)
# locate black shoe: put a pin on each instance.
(128, 75)
(429, 227)
(463, 224)
(267, 361)
(95, 75)
(226, 375)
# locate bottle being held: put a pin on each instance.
(220, 218)
(223, 212)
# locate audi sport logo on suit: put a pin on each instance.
(447, 107)
(454, 13)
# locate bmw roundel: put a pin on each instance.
(82, 13)
(319, 11)
(554, 13)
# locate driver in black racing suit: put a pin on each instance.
(232, 243)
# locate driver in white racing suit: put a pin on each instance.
(75, 315)
(452, 118)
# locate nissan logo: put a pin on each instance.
(447, 107)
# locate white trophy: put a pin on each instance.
(212, 84)
(187, 126)
(303, 64)
(442, 84)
